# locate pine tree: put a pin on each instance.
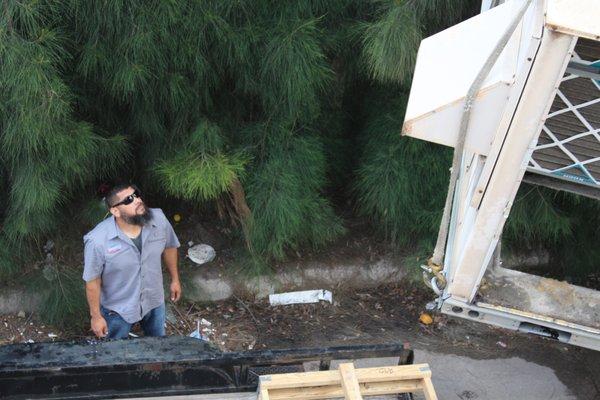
(192, 79)
(273, 111)
(47, 151)
(564, 224)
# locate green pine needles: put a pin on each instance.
(286, 112)
(535, 217)
(400, 181)
(564, 224)
(199, 170)
(389, 43)
(199, 177)
(294, 72)
(46, 150)
(285, 194)
(63, 301)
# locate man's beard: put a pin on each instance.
(138, 219)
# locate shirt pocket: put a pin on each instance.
(155, 243)
(157, 237)
(120, 260)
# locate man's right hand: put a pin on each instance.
(99, 326)
(92, 292)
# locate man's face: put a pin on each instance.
(130, 207)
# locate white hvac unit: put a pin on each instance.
(485, 87)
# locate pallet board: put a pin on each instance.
(348, 382)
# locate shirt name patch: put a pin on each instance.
(113, 250)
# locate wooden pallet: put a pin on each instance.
(348, 383)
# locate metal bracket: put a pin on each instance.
(517, 320)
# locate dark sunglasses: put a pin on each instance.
(129, 199)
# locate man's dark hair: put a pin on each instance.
(111, 196)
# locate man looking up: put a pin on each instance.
(122, 266)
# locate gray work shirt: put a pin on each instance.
(132, 281)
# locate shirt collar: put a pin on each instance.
(113, 230)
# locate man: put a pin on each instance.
(122, 266)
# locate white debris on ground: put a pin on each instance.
(201, 253)
(26, 328)
(202, 334)
(301, 297)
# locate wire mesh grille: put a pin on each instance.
(569, 143)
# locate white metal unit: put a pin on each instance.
(437, 94)
(508, 114)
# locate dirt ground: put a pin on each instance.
(240, 324)
(376, 315)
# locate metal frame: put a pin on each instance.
(503, 134)
(521, 321)
(584, 70)
(550, 181)
(487, 188)
(479, 220)
(484, 209)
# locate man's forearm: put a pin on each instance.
(170, 259)
(92, 292)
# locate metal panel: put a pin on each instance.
(574, 17)
(436, 126)
(447, 64)
(524, 322)
(473, 249)
(534, 294)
